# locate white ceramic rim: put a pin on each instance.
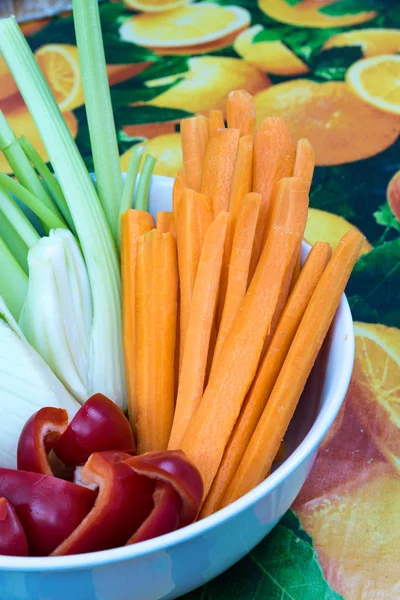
(311, 441)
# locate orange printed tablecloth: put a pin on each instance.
(332, 69)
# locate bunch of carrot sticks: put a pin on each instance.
(222, 325)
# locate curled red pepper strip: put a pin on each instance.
(170, 469)
(49, 509)
(164, 517)
(123, 503)
(12, 536)
(39, 435)
(99, 425)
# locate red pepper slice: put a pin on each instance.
(12, 536)
(164, 517)
(39, 435)
(175, 468)
(178, 493)
(123, 503)
(99, 425)
(48, 508)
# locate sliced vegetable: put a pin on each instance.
(134, 223)
(156, 318)
(267, 374)
(49, 509)
(307, 342)
(59, 296)
(165, 222)
(103, 137)
(14, 243)
(238, 266)
(192, 221)
(197, 340)
(194, 135)
(20, 223)
(143, 188)
(99, 425)
(305, 161)
(215, 121)
(241, 111)
(39, 435)
(210, 428)
(13, 281)
(20, 396)
(130, 180)
(177, 191)
(219, 163)
(12, 536)
(123, 503)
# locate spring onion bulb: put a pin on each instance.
(57, 315)
(28, 384)
(106, 364)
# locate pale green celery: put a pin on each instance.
(13, 281)
(18, 219)
(14, 243)
(57, 314)
(27, 384)
(51, 182)
(130, 181)
(47, 216)
(103, 137)
(142, 194)
(106, 364)
(21, 166)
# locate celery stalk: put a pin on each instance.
(46, 215)
(21, 166)
(103, 138)
(14, 243)
(18, 219)
(106, 370)
(130, 181)
(51, 182)
(13, 281)
(142, 194)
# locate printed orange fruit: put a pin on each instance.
(270, 56)
(60, 66)
(166, 149)
(181, 30)
(393, 195)
(208, 82)
(376, 81)
(307, 13)
(30, 27)
(356, 534)
(154, 5)
(331, 117)
(22, 123)
(375, 388)
(327, 227)
(8, 87)
(372, 42)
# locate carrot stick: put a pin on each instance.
(305, 161)
(192, 221)
(211, 426)
(314, 326)
(156, 315)
(134, 223)
(238, 268)
(219, 163)
(215, 121)
(202, 311)
(274, 155)
(194, 135)
(166, 222)
(177, 190)
(241, 111)
(304, 168)
(267, 374)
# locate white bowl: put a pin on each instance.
(178, 562)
